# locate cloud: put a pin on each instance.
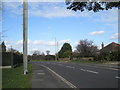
(37, 42)
(63, 41)
(75, 43)
(34, 0)
(107, 16)
(7, 43)
(48, 43)
(53, 10)
(33, 45)
(20, 42)
(13, 7)
(51, 43)
(46, 10)
(115, 36)
(97, 32)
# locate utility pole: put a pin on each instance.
(12, 57)
(0, 44)
(118, 36)
(55, 50)
(25, 28)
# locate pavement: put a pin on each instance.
(43, 78)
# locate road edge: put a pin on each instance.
(61, 78)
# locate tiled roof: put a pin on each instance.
(111, 47)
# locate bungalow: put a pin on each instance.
(110, 47)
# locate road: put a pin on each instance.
(85, 76)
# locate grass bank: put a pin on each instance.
(14, 77)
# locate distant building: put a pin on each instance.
(110, 47)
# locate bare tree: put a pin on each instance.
(48, 52)
(86, 48)
(42, 54)
(36, 52)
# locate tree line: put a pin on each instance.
(87, 49)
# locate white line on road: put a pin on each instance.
(92, 71)
(70, 67)
(101, 67)
(89, 71)
(83, 69)
(61, 78)
(117, 77)
(60, 64)
(41, 73)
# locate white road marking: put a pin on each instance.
(117, 77)
(61, 78)
(60, 64)
(92, 71)
(101, 67)
(83, 69)
(41, 73)
(89, 71)
(70, 67)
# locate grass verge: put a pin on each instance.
(14, 77)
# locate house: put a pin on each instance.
(110, 47)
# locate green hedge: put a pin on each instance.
(109, 56)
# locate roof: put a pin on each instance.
(111, 47)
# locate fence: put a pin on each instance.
(41, 57)
(11, 59)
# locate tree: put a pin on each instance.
(91, 6)
(75, 54)
(86, 48)
(42, 54)
(3, 47)
(66, 51)
(36, 52)
(48, 52)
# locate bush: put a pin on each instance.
(108, 56)
(49, 57)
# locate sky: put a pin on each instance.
(48, 21)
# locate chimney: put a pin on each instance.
(102, 45)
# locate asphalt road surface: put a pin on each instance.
(85, 76)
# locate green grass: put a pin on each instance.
(14, 77)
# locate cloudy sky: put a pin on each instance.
(47, 21)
